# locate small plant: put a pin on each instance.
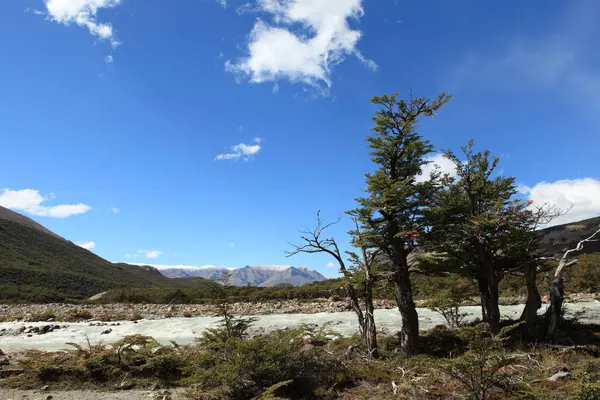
(447, 302)
(45, 316)
(79, 315)
(484, 367)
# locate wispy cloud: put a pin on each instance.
(150, 254)
(84, 14)
(241, 151)
(30, 201)
(331, 264)
(580, 196)
(222, 3)
(558, 61)
(302, 42)
(109, 60)
(115, 210)
(86, 245)
(231, 245)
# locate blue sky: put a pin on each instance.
(205, 132)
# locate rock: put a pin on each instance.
(106, 332)
(154, 387)
(49, 397)
(126, 385)
(44, 388)
(560, 376)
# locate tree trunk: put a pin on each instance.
(533, 302)
(494, 305)
(369, 334)
(490, 307)
(409, 334)
(484, 296)
(553, 314)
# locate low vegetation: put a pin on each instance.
(311, 363)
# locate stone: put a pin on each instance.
(154, 387)
(126, 385)
(44, 388)
(560, 376)
(106, 332)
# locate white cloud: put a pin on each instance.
(277, 50)
(83, 13)
(86, 245)
(331, 264)
(241, 151)
(231, 245)
(109, 60)
(30, 201)
(222, 3)
(439, 162)
(151, 254)
(583, 195)
(188, 267)
(114, 210)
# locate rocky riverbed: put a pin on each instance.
(127, 312)
(185, 330)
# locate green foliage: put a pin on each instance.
(589, 381)
(483, 368)
(448, 300)
(241, 369)
(269, 394)
(136, 357)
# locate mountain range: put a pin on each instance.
(37, 265)
(264, 276)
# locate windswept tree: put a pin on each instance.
(359, 275)
(557, 291)
(477, 223)
(390, 215)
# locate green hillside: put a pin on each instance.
(37, 266)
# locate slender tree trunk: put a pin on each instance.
(553, 314)
(533, 302)
(370, 329)
(409, 334)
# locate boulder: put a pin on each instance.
(560, 376)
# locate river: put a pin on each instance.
(185, 330)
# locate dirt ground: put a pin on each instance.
(11, 394)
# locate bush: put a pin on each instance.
(483, 368)
(79, 315)
(242, 369)
(447, 301)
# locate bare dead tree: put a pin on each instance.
(557, 290)
(359, 280)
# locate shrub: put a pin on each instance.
(242, 369)
(447, 301)
(484, 367)
(79, 315)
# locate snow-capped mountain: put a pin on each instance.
(264, 275)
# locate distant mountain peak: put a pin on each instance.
(254, 275)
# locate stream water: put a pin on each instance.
(185, 330)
